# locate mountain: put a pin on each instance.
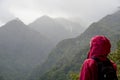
(54, 29)
(69, 54)
(75, 28)
(21, 49)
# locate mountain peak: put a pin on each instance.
(16, 23)
(43, 19)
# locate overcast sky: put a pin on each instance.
(29, 10)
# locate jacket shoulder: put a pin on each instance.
(90, 62)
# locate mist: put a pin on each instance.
(81, 10)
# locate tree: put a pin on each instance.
(74, 75)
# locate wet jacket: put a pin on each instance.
(99, 48)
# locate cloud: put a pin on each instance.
(88, 10)
(5, 14)
(26, 15)
(75, 7)
(29, 10)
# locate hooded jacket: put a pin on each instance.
(99, 48)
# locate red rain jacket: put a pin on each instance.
(99, 48)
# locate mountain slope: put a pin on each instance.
(21, 49)
(75, 28)
(56, 29)
(69, 54)
(51, 29)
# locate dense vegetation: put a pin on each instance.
(115, 56)
(66, 70)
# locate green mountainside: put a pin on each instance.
(21, 49)
(69, 54)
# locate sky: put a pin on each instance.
(29, 10)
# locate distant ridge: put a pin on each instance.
(54, 29)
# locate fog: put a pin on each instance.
(86, 11)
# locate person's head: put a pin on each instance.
(99, 47)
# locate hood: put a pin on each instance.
(99, 47)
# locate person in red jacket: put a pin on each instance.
(99, 47)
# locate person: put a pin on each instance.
(99, 48)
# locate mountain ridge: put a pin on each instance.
(52, 28)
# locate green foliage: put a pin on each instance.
(65, 68)
(74, 76)
(54, 75)
(115, 56)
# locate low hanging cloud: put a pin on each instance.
(29, 10)
(5, 14)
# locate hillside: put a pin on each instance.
(69, 54)
(56, 29)
(74, 27)
(21, 49)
